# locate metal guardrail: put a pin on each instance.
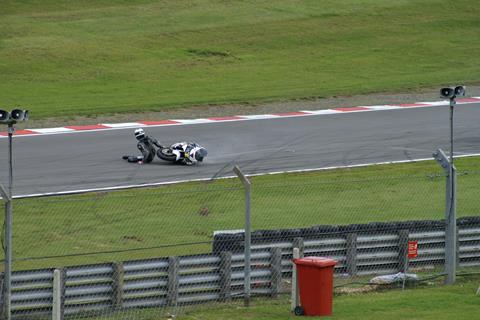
(220, 277)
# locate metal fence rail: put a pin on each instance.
(196, 279)
(142, 283)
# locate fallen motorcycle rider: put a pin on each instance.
(187, 153)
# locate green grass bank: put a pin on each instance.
(433, 303)
(425, 302)
(65, 58)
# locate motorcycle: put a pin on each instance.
(183, 152)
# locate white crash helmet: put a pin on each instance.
(199, 153)
(139, 133)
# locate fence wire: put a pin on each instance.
(157, 252)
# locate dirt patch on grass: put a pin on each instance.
(354, 290)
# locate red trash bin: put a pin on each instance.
(315, 283)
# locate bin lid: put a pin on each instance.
(320, 262)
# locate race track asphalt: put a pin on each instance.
(89, 160)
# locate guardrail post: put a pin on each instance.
(403, 250)
(225, 275)
(457, 247)
(173, 268)
(58, 303)
(276, 271)
(118, 278)
(351, 253)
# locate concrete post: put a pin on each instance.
(58, 302)
(297, 253)
(298, 243)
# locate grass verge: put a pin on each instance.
(447, 302)
(426, 302)
(59, 58)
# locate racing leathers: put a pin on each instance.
(146, 145)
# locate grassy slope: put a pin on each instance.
(84, 58)
(187, 213)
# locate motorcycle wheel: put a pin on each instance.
(166, 154)
(299, 311)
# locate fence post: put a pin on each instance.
(451, 229)
(225, 275)
(247, 238)
(7, 242)
(2, 292)
(58, 303)
(276, 271)
(351, 253)
(118, 279)
(172, 293)
(450, 213)
(403, 250)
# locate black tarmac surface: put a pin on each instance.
(90, 160)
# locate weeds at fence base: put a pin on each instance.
(357, 290)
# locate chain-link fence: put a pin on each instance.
(150, 252)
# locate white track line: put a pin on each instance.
(122, 125)
(154, 184)
(176, 122)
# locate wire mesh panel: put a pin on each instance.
(122, 251)
(367, 224)
(468, 206)
(159, 252)
(124, 225)
(361, 223)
